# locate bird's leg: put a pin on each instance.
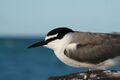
(87, 76)
(90, 71)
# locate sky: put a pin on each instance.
(37, 17)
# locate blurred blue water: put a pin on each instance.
(17, 62)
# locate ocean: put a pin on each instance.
(17, 62)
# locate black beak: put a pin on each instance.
(41, 43)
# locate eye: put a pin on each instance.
(51, 36)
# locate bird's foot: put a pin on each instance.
(90, 73)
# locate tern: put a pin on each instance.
(83, 49)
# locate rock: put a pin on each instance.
(90, 75)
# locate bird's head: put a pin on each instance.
(52, 38)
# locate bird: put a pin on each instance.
(78, 49)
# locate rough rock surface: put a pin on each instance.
(90, 75)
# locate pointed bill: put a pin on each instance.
(41, 43)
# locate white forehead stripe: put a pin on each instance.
(52, 36)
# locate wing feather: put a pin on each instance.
(94, 48)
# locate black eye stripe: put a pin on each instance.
(51, 39)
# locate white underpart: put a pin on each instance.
(108, 63)
(52, 36)
(60, 45)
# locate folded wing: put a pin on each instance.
(94, 48)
